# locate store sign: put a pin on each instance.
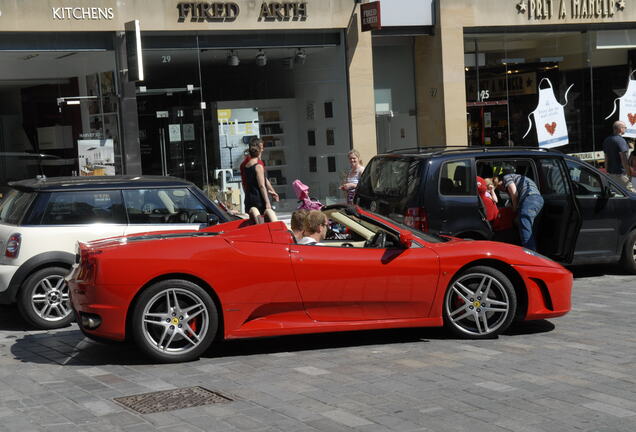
(574, 9)
(210, 12)
(370, 16)
(549, 118)
(589, 156)
(285, 11)
(83, 13)
(501, 88)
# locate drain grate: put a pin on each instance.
(168, 400)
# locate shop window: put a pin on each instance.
(312, 164)
(331, 164)
(311, 137)
(331, 137)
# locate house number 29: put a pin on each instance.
(166, 59)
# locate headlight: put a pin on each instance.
(536, 254)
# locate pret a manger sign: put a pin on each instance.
(574, 9)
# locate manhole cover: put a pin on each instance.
(168, 400)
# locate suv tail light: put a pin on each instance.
(13, 246)
(416, 217)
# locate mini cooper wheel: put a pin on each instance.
(43, 300)
(628, 259)
(480, 303)
(174, 321)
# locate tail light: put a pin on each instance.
(13, 246)
(416, 217)
(88, 265)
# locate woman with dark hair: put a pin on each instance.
(256, 189)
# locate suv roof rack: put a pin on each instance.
(437, 150)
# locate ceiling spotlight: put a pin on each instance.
(300, 56)
(261, 58)
(288, 63)
(233, 59)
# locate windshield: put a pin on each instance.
(428, 237)
(14, 206)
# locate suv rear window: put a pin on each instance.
(390, 177)
(14, 206)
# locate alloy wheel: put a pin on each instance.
(175, 321)
(50, 298)
(477, 304)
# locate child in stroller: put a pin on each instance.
(304, 200)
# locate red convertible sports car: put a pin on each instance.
(175, 293)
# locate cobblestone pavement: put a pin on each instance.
(575, 373)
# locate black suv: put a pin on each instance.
(586, 218)
(42, 219)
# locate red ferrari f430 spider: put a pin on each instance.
(175, 293)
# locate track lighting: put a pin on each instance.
(261, 58)
(233, 59)
(300, 56)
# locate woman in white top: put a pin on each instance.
(353, 176)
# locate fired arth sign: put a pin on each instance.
(575, 9)
(229, 11)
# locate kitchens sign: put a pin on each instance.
(574, 9)
(229, 11)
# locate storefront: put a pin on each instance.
(480, 76)
(297, 74)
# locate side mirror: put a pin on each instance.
(212, 219)
(406, 239)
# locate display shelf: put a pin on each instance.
(270, 122)
(275, 166)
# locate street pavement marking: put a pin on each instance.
(346, 418)
(310, 370)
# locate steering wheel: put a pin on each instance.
(378, 241)
(347, 245)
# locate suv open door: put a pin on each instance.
(560, 220)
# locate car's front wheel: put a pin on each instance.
(43, 300)
(174, 321)
(628, 260)
(480, 303)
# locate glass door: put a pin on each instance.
(171, 119)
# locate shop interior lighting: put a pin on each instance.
(261, 59)
(233, 59)
(300, 56)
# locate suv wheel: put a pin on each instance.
(628, 260)
(44, 300)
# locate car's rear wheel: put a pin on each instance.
(628, 259)
(480, 303)
(43, 300)
(174, 321)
